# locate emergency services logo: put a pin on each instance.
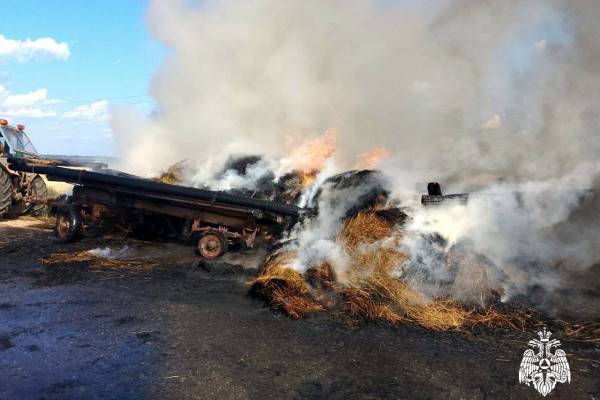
(544, 368)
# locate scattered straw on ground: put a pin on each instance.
(360, 303)
(581, 332)
(94, 262)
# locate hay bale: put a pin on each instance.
(393, 216)
(172, 175)
(369, 287)
(472, 277)
(363, 228)
(372, 245)
(375, 262)
(322, 281)
(322, 276)
(283, 288)
(368, 190)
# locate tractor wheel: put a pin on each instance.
(6, 189)
(39, 193)
(67, 227)
(212, 245)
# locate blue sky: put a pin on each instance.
(110, 58)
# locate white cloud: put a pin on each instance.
(36, 104)
(24, 50)
(28, 112)
(26, 99)
(97, 110)
(25, 105)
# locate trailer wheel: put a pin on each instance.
(67, 227)
(6, 189)
(212, 245)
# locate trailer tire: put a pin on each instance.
(212, 245)
(6, 189)
(67, 227)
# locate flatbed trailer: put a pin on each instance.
(214, 220)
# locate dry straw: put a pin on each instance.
(371, 289)
(94, 262)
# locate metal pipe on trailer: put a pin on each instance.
(81, 177)
(218, 217)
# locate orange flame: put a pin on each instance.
(306, 178)
(371, 158)
(308, 156)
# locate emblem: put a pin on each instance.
(544, 368)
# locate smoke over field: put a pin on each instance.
(452, 90)
(498, 97)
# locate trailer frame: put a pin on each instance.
(213, 220)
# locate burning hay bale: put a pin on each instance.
(240, 164)
(472, 275)
(172, 175)
(323, 285)
(290, 187)
(283, 288)
(321, 277)
(364, 228)
(320, 287)
(370, 286)
(372, 246)
(368, 189)
(252, 176)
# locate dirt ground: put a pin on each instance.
(173, 328)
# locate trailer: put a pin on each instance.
(213, 220)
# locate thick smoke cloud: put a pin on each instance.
(460, 88)
(499, 96)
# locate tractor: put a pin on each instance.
(20, 192)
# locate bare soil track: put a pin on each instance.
(182, 331)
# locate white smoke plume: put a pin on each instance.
(241, 75)
(498, 96)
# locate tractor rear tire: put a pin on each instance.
(39, 192)
(6, 189)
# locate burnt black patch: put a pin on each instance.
(128, 319)
(5, 343)
(32, 348)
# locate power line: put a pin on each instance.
(103, 99)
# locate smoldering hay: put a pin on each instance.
(488, 96)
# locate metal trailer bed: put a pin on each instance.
(214, 220)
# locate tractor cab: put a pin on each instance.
(14, 141)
